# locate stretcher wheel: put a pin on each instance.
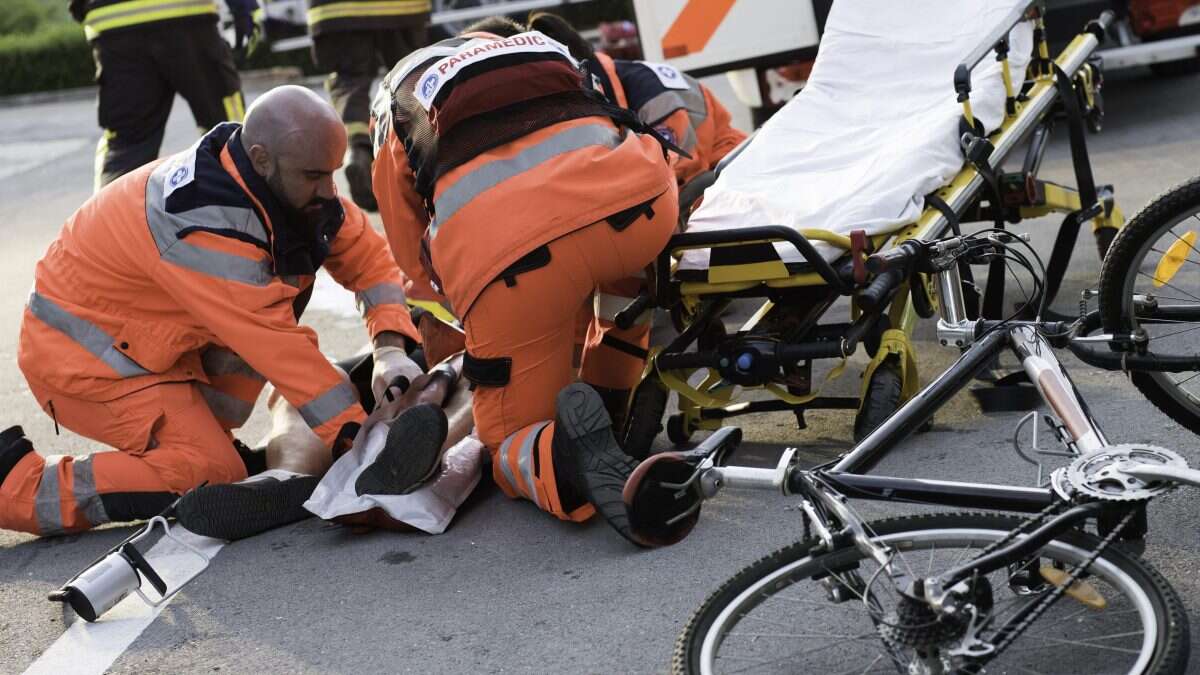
(644, 420)
(1104, 239)
(678, 430)
(881, 400)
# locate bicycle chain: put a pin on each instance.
(1060, 589)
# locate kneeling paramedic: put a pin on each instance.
(679, 108)
(172, 296)
(532, 191)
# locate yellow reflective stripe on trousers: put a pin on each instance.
(124, 14)
(235, 107)
(487, 176)
(47, 505)
(341, 10)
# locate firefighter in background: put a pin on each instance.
(353, 40)
(146, 51)
(532, 191)
(167, 302)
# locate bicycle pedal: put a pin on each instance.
(1079, 590)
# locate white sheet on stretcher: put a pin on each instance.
(875, 128)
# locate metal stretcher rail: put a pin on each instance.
(1041, 97)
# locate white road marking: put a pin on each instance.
(90, 648)
(22, 156)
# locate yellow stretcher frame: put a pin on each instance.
(708, 403)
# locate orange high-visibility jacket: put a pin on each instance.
(188, 252)
(511, 199)
(677, 106)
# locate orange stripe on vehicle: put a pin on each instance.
(694, 27)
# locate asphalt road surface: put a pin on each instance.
(508, 589)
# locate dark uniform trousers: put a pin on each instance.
(353, 58)
(140, 70)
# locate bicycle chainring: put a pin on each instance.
(1100, 474)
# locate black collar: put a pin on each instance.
(296, 247)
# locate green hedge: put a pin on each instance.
(54, 57)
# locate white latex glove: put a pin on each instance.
(390, 363)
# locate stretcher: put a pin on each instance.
(901, 133)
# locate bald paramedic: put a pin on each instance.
(172, 296)
(532, 191)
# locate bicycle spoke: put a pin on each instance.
(1178, 332)
(1186, 260)
(790, 656)
(1182, 239)
(1168, 285)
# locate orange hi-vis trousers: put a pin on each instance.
(170, 437)
(531, 320)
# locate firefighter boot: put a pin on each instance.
(591, 467)
(358, 174)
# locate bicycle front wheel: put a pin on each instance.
(1150, 280)
(795, 611)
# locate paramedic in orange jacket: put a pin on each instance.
(532, 191)
(172, 296)
(679, 108)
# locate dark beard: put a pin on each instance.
(302, 241)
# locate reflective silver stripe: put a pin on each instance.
(89, 336)
(227, 408)
(379, 294)
(47, 505)
(98, 18)
(492, 174)
(165, 228)
(525, 462)
(218, 361)
(691, 100)
(502, 457)
(329, 405)
(658, 108)
(87, 499)
(606, 307)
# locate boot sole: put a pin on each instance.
(584, 419)
(236, 511)
(410, 456)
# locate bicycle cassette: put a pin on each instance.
(1101, 475)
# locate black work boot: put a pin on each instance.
(587, 456)
(410, 456)
(358, 175)
(246, 508)
(13, 447)
(616, 402)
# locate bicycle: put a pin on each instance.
(954, 592)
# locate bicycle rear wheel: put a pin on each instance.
(1150, 280)
(773, 616)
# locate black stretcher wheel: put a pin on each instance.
(881, 400)
(678, 431)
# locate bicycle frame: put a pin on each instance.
(984, 340)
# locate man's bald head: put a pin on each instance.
(296, 141)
